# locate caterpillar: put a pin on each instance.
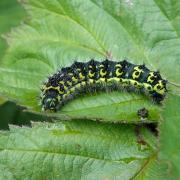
(80, 76)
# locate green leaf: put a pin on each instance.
(116, 106)
(170, 137)
(77, 150)
(9, 9)
(58, 32)
(10, 15)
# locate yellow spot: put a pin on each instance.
(59, 98)
(75, 80)
(136, 68)
(118, 72)
(115, 79)
(151, 77)
(101, 80)
(54, 88)
(118, 65)
(81, 76)
(102, 74)
(49, 100)
(64, 87)
(83, 83)
(71, 74)
(72, 89)
(159, 88)
(137, 72)
(43, 87)
(125, 81)
(61, 82)
(78, 86)
(65, 95)
(135, 83)
(69, 83)
(91, 74)
(147, 86)
(90, 81)
(109, 79)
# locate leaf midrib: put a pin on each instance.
(73, 20)
(71, 154)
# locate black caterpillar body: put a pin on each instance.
(80, 76)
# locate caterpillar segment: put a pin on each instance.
(82, 77)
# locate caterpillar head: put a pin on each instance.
(50, 101)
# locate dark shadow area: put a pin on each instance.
(10, 113)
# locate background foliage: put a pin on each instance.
(54, 35)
